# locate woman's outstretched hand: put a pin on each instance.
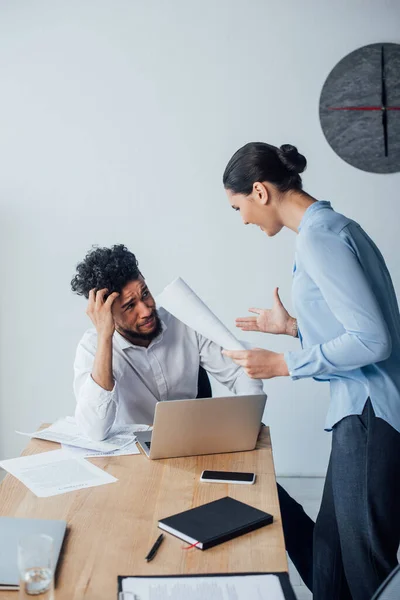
(259, 363)
(269, 320)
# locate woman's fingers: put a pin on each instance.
(258, 311)
(247, 323)
(277, 297)
(240, 357)
(235, 354)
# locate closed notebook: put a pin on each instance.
(11, 531)
(216, 522)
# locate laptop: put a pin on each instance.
(203, 426)
(11, 530)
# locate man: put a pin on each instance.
(136, 355)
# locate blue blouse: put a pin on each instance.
(348, 317)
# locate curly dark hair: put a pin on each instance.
(110, 268)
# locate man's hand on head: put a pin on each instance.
(99, 309)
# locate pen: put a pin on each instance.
(154, 549)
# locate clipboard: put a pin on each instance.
(283, 580)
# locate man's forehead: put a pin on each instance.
(133, 288)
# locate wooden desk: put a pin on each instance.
(112, 527)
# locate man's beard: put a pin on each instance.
(145, 337)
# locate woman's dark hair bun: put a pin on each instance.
(258, 161)
(292, 159)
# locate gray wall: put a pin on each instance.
(117, 119)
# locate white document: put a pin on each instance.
(129, 429)
(259, 587)
(65, 431)
(53, 473)
(130, 448)
(181, 301)
(84, 453)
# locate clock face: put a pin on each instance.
(360, 108)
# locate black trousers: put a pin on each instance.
(298, 530)
(357, 532)
(353, 546)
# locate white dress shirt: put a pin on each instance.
(166, 370)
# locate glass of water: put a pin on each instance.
(36, 567)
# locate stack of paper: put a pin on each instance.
(127, 450)
(65, 470)
(65, 431)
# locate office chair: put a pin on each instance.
(203, 384)
(390, 588)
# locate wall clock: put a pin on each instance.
(360, 108)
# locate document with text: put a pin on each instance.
(260, 587)
(65, 431)
(84, 453)
(52, 473)
(130, 448)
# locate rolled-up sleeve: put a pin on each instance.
(333, 265)
(96, 407)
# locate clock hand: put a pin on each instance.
(383, 100)
(362, 108)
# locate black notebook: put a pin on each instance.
(215, 522)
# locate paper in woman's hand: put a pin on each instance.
(182, 302)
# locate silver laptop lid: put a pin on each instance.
(206, 426)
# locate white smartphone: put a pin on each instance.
(227, 477)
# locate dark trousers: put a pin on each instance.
(298, 530)
(357, 533)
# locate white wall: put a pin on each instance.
(117, 119)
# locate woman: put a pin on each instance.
(348, 324)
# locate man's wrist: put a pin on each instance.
(104, 339)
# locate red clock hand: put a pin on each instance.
(363, 108)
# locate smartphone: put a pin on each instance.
(227, 477)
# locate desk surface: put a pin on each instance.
(112, 527)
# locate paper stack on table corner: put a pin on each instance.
(182, 302)
(65, 431)
(66, 470)
(127, 450)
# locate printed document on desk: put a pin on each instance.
(127, 450)
(84, 453)
(65, 431)
(181, 301)
(52, 473)
(213, 587)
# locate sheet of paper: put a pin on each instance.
(261, 587)
(53, 473)
(83, 453)
(130, 448)
(181, 301)
(129, 429)
(65, 431)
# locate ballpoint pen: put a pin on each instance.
(155, 548)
